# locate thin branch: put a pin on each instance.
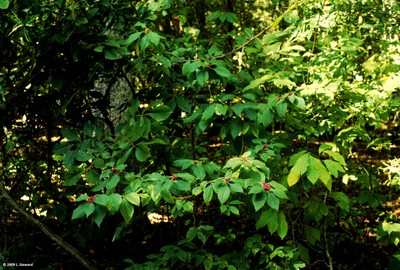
(272, 25)
(58, 240)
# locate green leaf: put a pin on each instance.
(83, 156)
(112, 54)
(142, 152)
(272, 221)
(124, 157)
(208, 112)
(312, 170)
(113, 182)
(133, 198)
(160, 113)
(234, 210)
(69, 159)
(88, 208)
(324, 174)
(202, 77)
(259, 200)
(131, 38)
(222, 71)
(281, 108)
(79, 211)
(182, 185)
(114, 201)
(272, 200)
(303, 251)
(336, 156)
(191, 234)
(312, 235)
(99, 214)
(101, 199)
(4, 4)
(258, 82)
(199, 171)
(263, 219)
(223, 193)
(233, 163)
(126, 210)
(283, 226)
(183, 104)
(70, 134)
(82, 198)
(99, 163)
(154, 37)
(343, 200)
(208, 194)
(298, 169)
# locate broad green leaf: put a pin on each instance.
(283, 226)
(208, 112)
(272, 200)
(160, 113)
(4, 4)
(114, 201)
(208, 194)
(111, 54)
(233, 163)
(221, 109)
(298, 169)
(202, 77)
(303, 251)
(79, 211)
(223, 193)
(99, 163)
(133, 198)
(259, 200)
(88, 208)
(263, 219)
(272, 221)
(324, 174)
(124, 157)
(234, 210)
(336, 156)
(312, 170)
(222, 71)
(281, 108)
(113, 182)
(343, 200)
(70, 134)
(126, 210)
(142, 152)
(312, 235)
(182, 185)
(69, 159)
(102, 199)
(132, 38)
(183, 104)
(199, 171)
(191, 234)
(154, 37)
(99, 214)
(255, 83)
(82, 198)
(83, 156)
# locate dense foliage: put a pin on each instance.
(264, 132)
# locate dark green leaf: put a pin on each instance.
(160, 113)
(126, 210)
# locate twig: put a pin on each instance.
(58, 240)
(272, 25)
